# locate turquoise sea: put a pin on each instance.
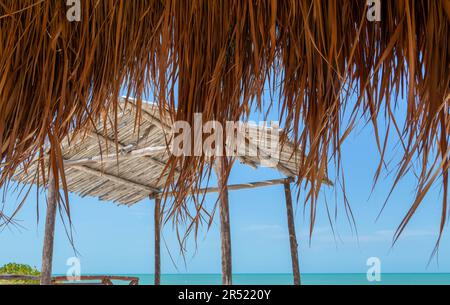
(307, 279)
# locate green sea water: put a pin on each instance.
(307, 279)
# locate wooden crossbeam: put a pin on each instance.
(242, 186)
(152, 119)
(143, 152)
(247, 162)
(132, 184)
(122, 146)
(96, 135)
(260, 152)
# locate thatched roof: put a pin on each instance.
(137, 172)
(218, 57)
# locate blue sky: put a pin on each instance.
(117, 239)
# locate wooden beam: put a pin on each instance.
(242, 186)
(15, 277)
(292, 236)
(225, 234)
(143, 152)
(247, 162)
(96, 135)
(261, 152)
(107, 279)
(157, 241)
(132, 184)
(122, 146)
(150, 117)
(49, 235)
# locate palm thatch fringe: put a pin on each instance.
(217, 58)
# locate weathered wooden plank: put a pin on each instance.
(242, 186)
(117, 179)
(143, 152)
(225, 234)
(47, 252)
(292, 235)
(157, 241)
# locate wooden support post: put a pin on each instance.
(47, 253)
(225, 234)
(157, 240)
(292, 236)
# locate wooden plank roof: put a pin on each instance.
(93, 168)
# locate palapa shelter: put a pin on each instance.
(218, 58)
(126, 173)
(94, 167)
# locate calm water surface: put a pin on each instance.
(307, 279)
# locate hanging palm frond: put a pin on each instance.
(217, 57)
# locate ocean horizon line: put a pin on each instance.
(262, 273)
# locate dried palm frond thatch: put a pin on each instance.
(217, 57)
